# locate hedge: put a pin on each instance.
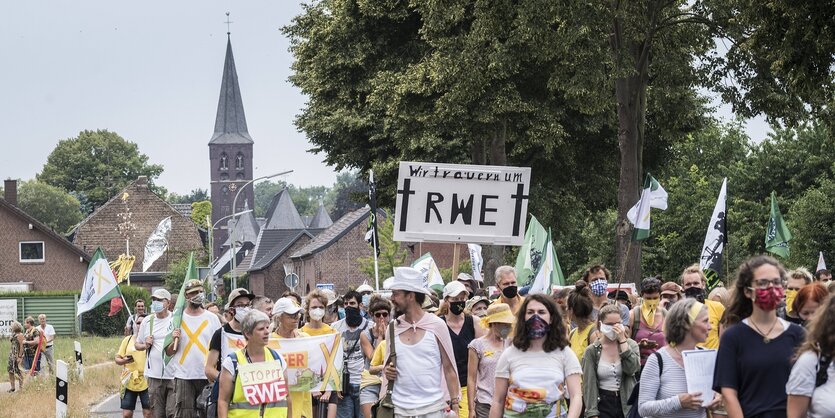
(97, 322)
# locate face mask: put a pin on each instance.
(509, 292)
(791, 294)
(503, 331)
(457, 307)
(366, 300)
(352, 316)
(341, 313)
(608, 331)
(240, 313)
(695, 293)
(598, 287)
(648, 309)
(317, 314)
(767, 299)
(537, 327)
(480, 312)
(156, 306)
(197, 299)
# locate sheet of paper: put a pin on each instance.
(698, 369)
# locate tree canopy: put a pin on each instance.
(95, 165)
(54, 207)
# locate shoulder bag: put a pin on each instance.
(385, 407)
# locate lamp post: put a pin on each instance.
(212, 242)
(235, 224)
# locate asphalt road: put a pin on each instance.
(110, 408)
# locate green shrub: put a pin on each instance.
(97, 322)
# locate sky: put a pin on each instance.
(150, 71)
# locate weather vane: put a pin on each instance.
(228, 23)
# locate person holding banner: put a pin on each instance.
(253, 382)
(32, 347)
(315, 308)
(425, 359)
(286, 319)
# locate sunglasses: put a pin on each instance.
(381, 314)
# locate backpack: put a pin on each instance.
(633, 397)
(822, 374)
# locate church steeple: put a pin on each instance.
(230, 122)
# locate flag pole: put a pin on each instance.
(373, 202)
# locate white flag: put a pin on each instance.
(157, 243)
(542, 280)
(431, 275)
(652, 196)
(476, 260)
(716, 236)
(99, 284)
(821, 263)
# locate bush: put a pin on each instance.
(97, 322)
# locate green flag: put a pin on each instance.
(99, 284)
(777, 235)
(191, 273)
(652, 196)
(531, 253)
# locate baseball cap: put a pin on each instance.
(239, 292)
(286, 305)
(454, 288)
(670, 288)
(161, 294)
(192, 284)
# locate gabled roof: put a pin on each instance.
(282, 213)
(336, 231)
(246, 228)
(321, 219)
(36, 224)
(272, 243)
(230, 122)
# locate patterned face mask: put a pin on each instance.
(598, 287)
(537, 327)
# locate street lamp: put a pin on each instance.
(212, 243)
(235, 224)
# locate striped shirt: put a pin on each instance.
(658, 396)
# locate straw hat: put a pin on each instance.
(498, 313)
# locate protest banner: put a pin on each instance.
(313, 363)
(8, 314)
(263, 382)
(461, 203)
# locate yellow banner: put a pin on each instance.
(313, 363)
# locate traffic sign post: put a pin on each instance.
(292, 281)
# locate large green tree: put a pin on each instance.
(50, 205)
(97, 164)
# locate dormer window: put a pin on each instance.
(224, 162)
(239, 161)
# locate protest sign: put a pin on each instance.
(461, 203)
(263, 382)
(313, 363)
(8, 314)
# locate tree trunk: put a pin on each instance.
(494, 254)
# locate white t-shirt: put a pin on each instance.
(155, 365)
(802, 383)
(351, 339)
(190, 359)
(536, 380)
(48, 331)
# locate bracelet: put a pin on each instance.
(622, 342)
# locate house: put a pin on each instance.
(124, 224)
(32, 255)
(331, 257)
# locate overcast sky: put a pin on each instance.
(150, 71)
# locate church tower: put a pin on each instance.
(230, 153)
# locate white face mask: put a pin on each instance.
(240, 313)
(608, 331)
(317, 314)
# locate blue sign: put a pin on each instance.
(328, 286)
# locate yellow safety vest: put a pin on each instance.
(239, 407)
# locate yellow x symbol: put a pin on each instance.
(100, 278)
(330, 372)
(193, 339)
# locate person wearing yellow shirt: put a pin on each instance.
(316, 305)
(506, 283)
(694, 282)
(286, 317)
(134, 384)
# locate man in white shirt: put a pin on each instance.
(151, 336)
(190, 349)
(49, 334)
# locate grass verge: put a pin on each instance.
(94, 350)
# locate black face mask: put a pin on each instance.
(695, 293)
(510, 292)
(457, 307)
(353, 317)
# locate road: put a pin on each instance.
(110, 408)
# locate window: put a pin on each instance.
(224, 162)
(31, 252)
(224, 177)
(239, 176)
(239, 161)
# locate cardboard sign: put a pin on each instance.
(8, 314)
(263, 382)
(314, 364)
(461, 203)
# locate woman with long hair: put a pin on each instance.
(539, 369)
(754, 359)
(484, 353)
(663, 389)
(811, 385)
(581, 311)
(609, 367)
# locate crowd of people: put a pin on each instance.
(586, 350)
(31, 350)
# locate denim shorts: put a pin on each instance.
(370, 394)
(129, 400)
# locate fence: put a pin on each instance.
(59, 310)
